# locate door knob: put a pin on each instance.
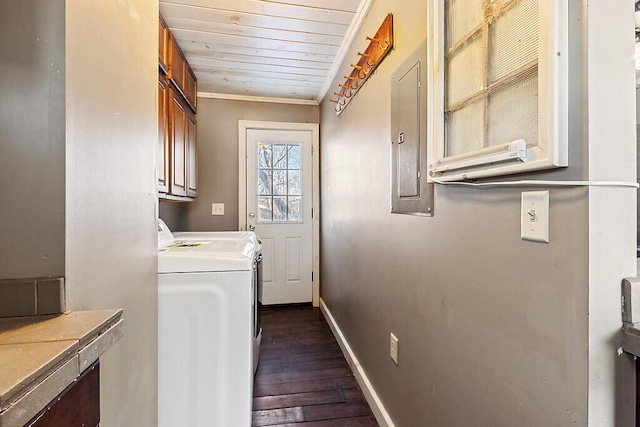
(252, 215)
(252, 227)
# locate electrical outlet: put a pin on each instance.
(535, 216)
(217, 208)
(393, 351)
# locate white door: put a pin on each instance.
(279, 203)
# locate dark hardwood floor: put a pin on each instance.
(303, 378)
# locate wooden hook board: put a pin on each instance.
(379, 47)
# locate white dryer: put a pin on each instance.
(205, 361)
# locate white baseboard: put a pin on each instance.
(370, 394)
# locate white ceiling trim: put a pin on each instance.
(357, 22)
(231, 97)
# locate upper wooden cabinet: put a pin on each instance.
(163, 35)
(181, 74)
(176, 163)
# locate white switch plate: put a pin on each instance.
(393, 350)
(217, 208)
(535, 216)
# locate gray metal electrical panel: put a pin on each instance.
(410, 192)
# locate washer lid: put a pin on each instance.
(206, 256)
(214, 235)
(249, 236)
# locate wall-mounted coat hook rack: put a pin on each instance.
(379, 47)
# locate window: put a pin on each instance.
(500, 104)
(279, 182)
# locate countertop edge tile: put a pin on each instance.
(96, 348)
(114, 318)
(39, 396)
(24, 385)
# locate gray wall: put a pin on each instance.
(77, 172)
(111, 197)
(218, 160)
(493, 330)
(32, 122)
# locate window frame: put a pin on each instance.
(551, 150)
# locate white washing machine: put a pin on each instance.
(246, 236)
(205, 354)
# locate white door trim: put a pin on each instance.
(243, 126)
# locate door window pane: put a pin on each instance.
(295, 183)
(280, 182)
(295, 209)
(279, 156)
(265, 211)
(294, 159)
(264, 155)
(279, 208)
(279, 172)
(265, 180)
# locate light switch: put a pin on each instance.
(535, 216)
(217, 208)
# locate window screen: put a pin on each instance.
(491, 74)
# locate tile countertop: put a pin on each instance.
(41, 355)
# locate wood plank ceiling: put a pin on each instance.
(275, 49)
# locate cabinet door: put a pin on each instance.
(178, 119)
(177, 64)
(162, 145)
(77, 405)
(163, 31)
(192, 161)
(191, 87)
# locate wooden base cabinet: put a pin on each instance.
(77, 405)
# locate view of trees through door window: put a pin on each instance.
(279, 182)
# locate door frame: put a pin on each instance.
(314, 128)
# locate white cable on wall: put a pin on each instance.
(535, 183)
